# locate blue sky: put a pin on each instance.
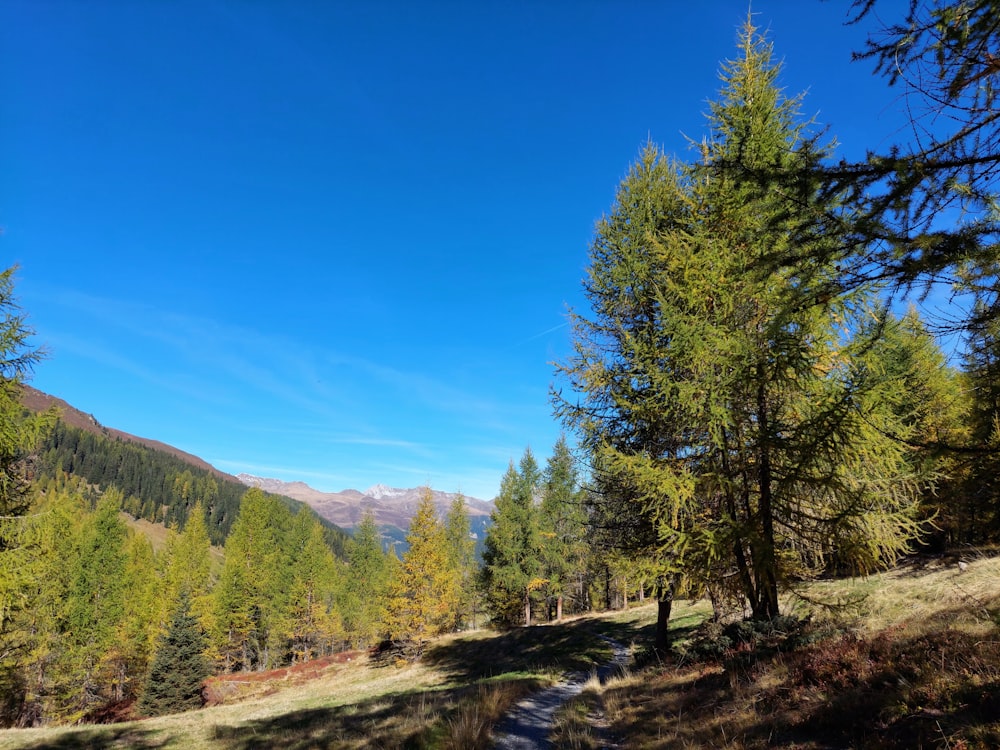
(336, 241)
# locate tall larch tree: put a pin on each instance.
(461, 553)
(424, 596)
(250, 624)
(96, 607)
(19, 435)
(365, 595)
(315, 624)
(188, 567)
(727, 402)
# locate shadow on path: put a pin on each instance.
(528, 726)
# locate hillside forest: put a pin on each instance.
(754, 396)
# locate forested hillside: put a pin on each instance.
(155, 485)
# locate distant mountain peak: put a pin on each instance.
(382, 492)
(391, 506)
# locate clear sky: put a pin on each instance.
(336, 241)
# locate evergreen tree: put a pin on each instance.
(563, 527)
(179, 667)
(511, 556)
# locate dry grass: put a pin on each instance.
(911, 659)
(450, 699)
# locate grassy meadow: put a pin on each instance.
(908, 658)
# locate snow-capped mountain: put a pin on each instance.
(391, 507)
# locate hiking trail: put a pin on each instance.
(527, 727)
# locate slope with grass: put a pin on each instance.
(911, 658)
(908, 659)
(452, 698)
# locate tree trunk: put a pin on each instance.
(559, 605)
(664, 603)
(768, 580)
(527, 608)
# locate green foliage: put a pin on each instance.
(251, 598)
(511, 557)
(19, 435)
(737, 414)
(315, 626)
(155, 485)
(179, 667)
(369, 573)
(562, 530)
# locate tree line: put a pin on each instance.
(155, 485)
(96, 607)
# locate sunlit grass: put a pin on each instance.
(914, 651)
(908, 658)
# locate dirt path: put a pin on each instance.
(527, 727)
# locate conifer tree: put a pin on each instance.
(188, 565)
(366, 590)
(250, 622)
(511, 557)
(461, 552)
(729, 405)
(96, 606)
(140, 626)
(563, 527)
(40, 683)
(424, 595)
(314, 622)
(19, 435)
(179, 667)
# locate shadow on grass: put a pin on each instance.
(893, 690)
(550, 648)
(104, 738)
(573, 646)
(401, 720)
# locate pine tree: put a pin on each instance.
(511, 558)
(179, 667)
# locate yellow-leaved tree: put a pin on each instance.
(425, 595)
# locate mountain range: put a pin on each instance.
(391, 507)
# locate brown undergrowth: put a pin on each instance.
(927, 677)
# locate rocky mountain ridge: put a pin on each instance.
(392, 507)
